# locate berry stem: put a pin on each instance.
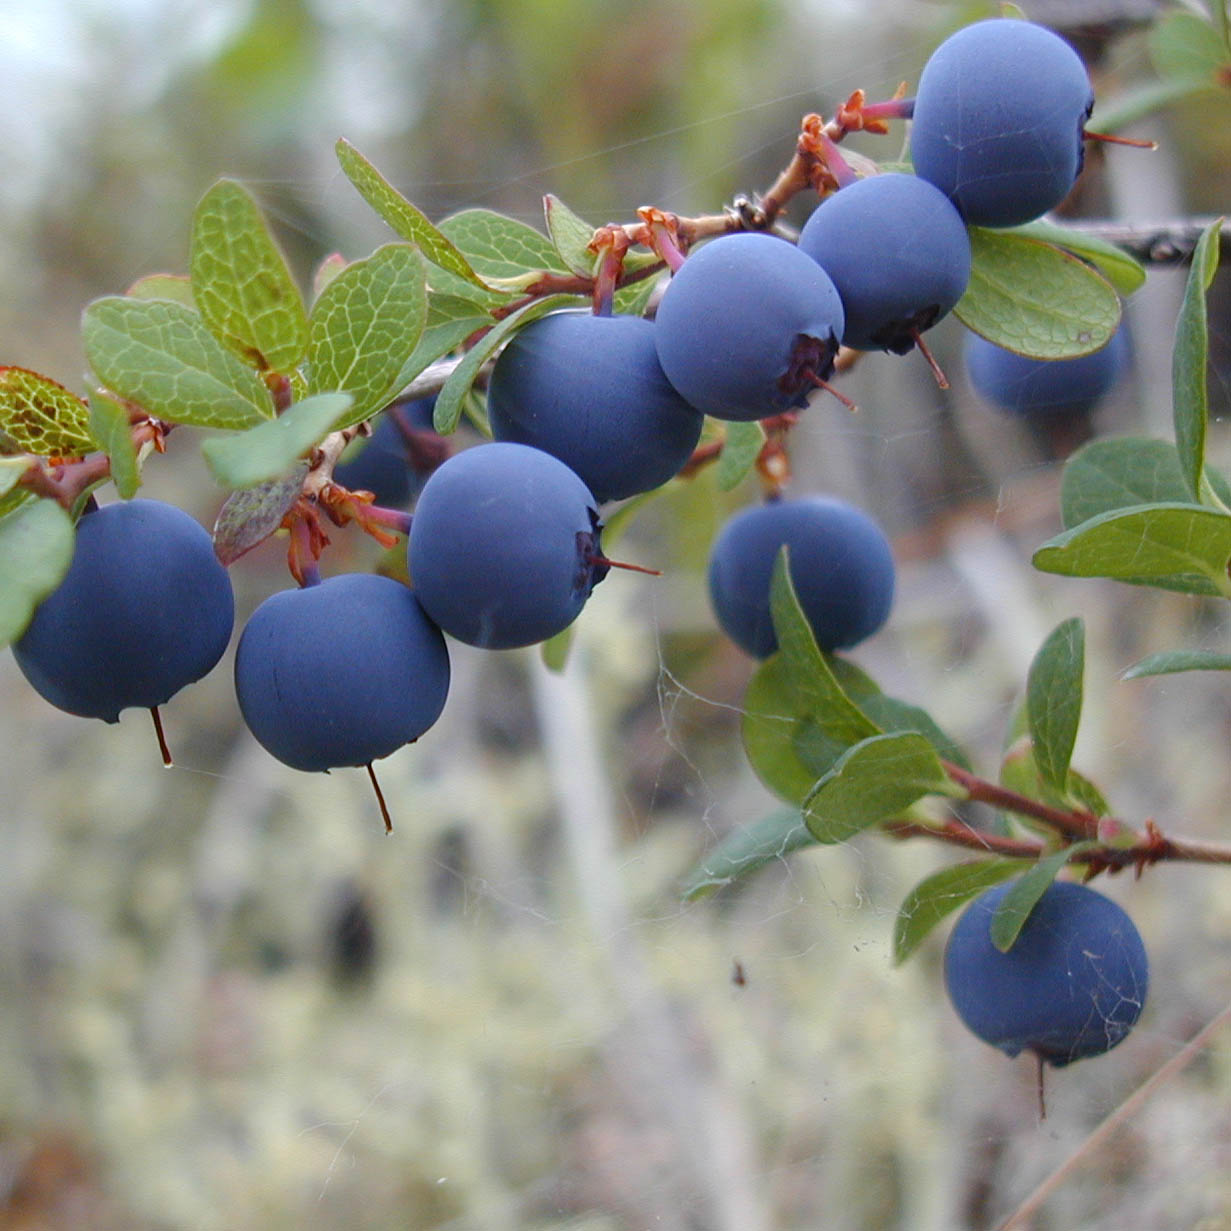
(380, 798)
(163, 748)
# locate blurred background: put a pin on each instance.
(228, 1000)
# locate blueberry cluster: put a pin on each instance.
(505, 544)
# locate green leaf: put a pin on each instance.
(633, 299)
(365, 326)
(777, 733)
(449, 403)
(1104, 476)
(876, 779)
(1036, 299)
(1170, 546)
(163, 357)
(450, 321)
(406, 219)
(326, 272)
(11, 470)
(1053, 700)
(1015, 907)
(741, 446)
(1132, 105)
(1189, 361)
(892, 714)
(110, 426)
(36, 548)
(746, 849)
(1167, 662)
(501, 248)
(271, 450)
(1187, 49)
(39, 415)
(570, 236)
(555, 650)
(250, 516)
(938, 895)
(1124, 272)
(241, 282)
(821, 697)
(175, 287)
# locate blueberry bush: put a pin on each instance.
(611, 364)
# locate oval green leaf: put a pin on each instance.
(741, 446)
(746, 849)
(175, 287)
(1015, 907)
(163, 357)
(1124, 272)
(406, 219)
(271, 450)
(40, 416)
(820, 696)
(1183, 47)
(449, 403)
(1104, 476)
(36, 548)
(570, 236)
(1190, 360)
(1053, 700)
(1034, 298)
(1168, 662)
(250, 516)
(110, 426)
(365, 326)
(939, 895)
(241, 283)
(875, 780)
(1170, 546)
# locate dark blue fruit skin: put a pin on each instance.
(841, 566)
(340, 673)
(1072, 985)
(998, 120)
(1038, 388)
(741, 319)
(144, 609)
(897, 251)
(382, 464)
(502, 546)
(590, 390)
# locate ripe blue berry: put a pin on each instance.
(1037, 388)
(1072, 985)
(590, 390)
(144, 609)
(744, 325)
(840, 564)
(897, 251)
(385, 464)
(504, 546)
(998, 120)
(340, 673)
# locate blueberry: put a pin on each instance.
(744, 325)
(144, 609)
(385, 464)
(340, 673)
(998, 120)
(1072, 985)
(897, 251)
(840, 563)
(590, 390)
(504, 546)
(1038, 388)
